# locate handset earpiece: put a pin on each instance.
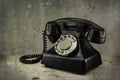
(52, 31)
(96, 35)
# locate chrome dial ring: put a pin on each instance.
(65, 45)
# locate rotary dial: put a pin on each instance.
(65, 45)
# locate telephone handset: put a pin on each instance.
(55, 28)
(72, 50)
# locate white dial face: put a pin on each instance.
(65, 45)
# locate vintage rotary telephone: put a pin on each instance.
(72, 50)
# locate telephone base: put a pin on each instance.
(72, 64)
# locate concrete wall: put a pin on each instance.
(22, 22)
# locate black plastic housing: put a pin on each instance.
(86, 58)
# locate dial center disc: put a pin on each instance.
(65, 44)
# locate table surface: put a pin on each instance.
(12, 69)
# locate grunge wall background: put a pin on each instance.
(22, 22)
(21, 26)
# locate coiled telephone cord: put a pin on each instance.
(35, 58)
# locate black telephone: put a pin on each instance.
(72, 50)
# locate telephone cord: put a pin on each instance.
(35, 58)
